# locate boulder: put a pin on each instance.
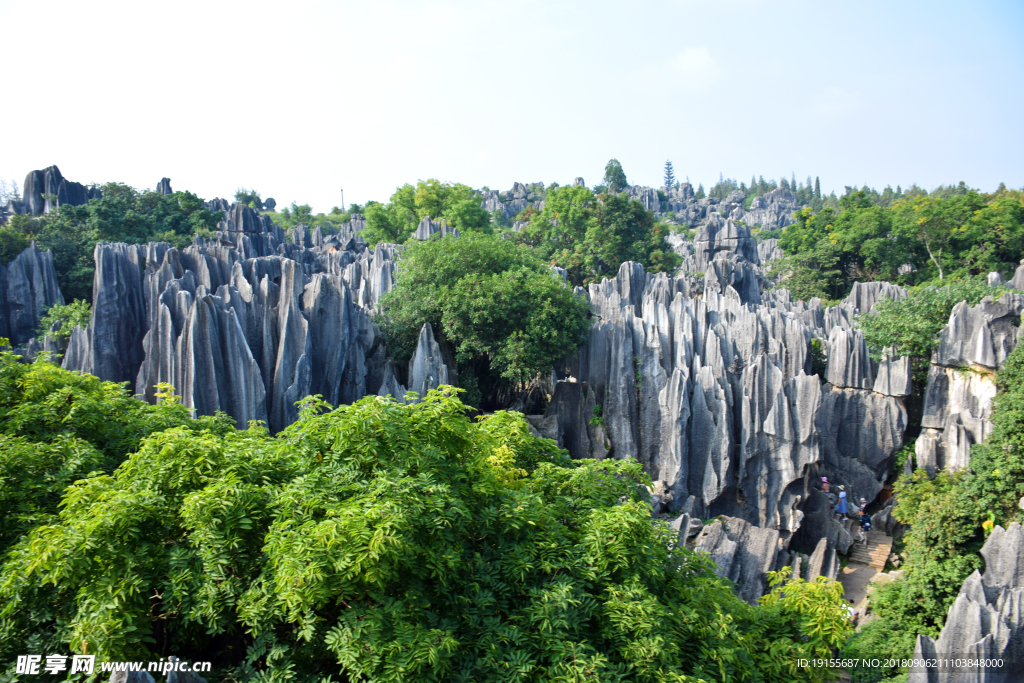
(742, 553)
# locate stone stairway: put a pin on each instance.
(875, 553)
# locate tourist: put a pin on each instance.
(841, 506)
(865, 525)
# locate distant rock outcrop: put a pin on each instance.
(164, 186)
(47, 189)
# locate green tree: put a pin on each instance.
(76, 313)
(58, 426)
(250, 197)
(592, 236)
(615, 177)
(497, 305)
(670, 176)
(12, 243)
(397, 543)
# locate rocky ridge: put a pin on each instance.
(987, 619)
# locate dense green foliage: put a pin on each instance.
(76, 313)
(614, 177)
(12, 243)
(396, 221)
(377, 541)
(591, 236)
(302, 214)
(910, 326)
(58, 426)
(500, 308)
(123, 215)
(953, 233)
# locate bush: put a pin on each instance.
(76, 313)
(394, 543)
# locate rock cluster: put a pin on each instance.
(515, 201)
(987, 619)
(28, 287)
(47, 189)
(961, 379)
(714, 396)
(248, 323)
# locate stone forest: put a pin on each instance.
(554, 433)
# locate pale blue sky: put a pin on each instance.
(298, 99)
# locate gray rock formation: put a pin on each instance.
(712, 395)
(28, 287)
(428, 229)
(961, 381)
(47, 189)
(247, 323)
(987, 619)
(772, 210)
(723, 235)
(1018, 277)
(864, 295)
(742, 553)
(164, 186)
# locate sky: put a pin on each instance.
(303, 98)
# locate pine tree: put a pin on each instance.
(817, 187)
(670, 176)
(792, 181)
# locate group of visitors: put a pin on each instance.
(841, 508)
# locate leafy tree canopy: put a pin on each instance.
(501, 308)
(58, 426)
(397, 543)
(396, 221)
(953, 233)
(250, 197)
(591, 236)
(615, 177)
(76, 313)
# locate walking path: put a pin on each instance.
(865, 563)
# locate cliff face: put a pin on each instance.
(961, 378)
(28, 287)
